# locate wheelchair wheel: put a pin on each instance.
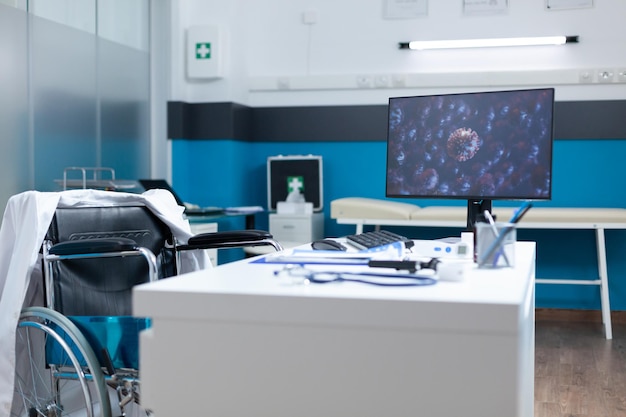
(57, 373)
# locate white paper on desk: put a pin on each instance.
(243, 209)
(303, 256)
(393, 251)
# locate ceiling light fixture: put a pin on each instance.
(486, 43)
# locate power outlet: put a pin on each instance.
(606, 75)
(282, 83)
(585, 76)
(381, 81)
(364, 81)
(310, 16)
(621, 75)
(398, 80)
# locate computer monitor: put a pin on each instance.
(479, 146)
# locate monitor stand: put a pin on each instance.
(476, 208)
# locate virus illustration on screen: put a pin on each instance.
(463, 144)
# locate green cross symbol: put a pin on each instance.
(295, 183)
(203, 50)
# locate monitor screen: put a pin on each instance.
(479, 146)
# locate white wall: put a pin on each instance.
(272, 58)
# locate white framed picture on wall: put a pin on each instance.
(404, 9)
(485, 6)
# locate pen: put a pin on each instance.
(494, 229)
(519, 213)
(491, 222)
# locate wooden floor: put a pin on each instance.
(577, 371)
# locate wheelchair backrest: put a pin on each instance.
(103, 286)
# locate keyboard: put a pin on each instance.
(377, 238)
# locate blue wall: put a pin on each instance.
(586, 173)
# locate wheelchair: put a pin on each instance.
(78, 354)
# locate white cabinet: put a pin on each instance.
(290, 229)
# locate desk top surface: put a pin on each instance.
(243, 290)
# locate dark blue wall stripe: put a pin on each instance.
(572, 120)
(208, 121)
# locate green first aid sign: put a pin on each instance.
(295, 183)
(203, 50)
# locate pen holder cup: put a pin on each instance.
(495, 245)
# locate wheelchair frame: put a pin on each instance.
(69, 360)
(78, 380)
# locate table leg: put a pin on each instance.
(604, 283)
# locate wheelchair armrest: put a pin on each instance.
(87, 246)
(103, 247)
(230, 239)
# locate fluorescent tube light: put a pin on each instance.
(485, 43)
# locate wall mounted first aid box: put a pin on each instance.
(204, 52)
(286, 172)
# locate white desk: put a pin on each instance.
(237, 341)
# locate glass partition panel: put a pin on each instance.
(75, 90)
(124, 79)
(64, 94)
(15, 161)
(125, 22)
(79, 14)
(124, 84)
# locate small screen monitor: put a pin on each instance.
(479, 146)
